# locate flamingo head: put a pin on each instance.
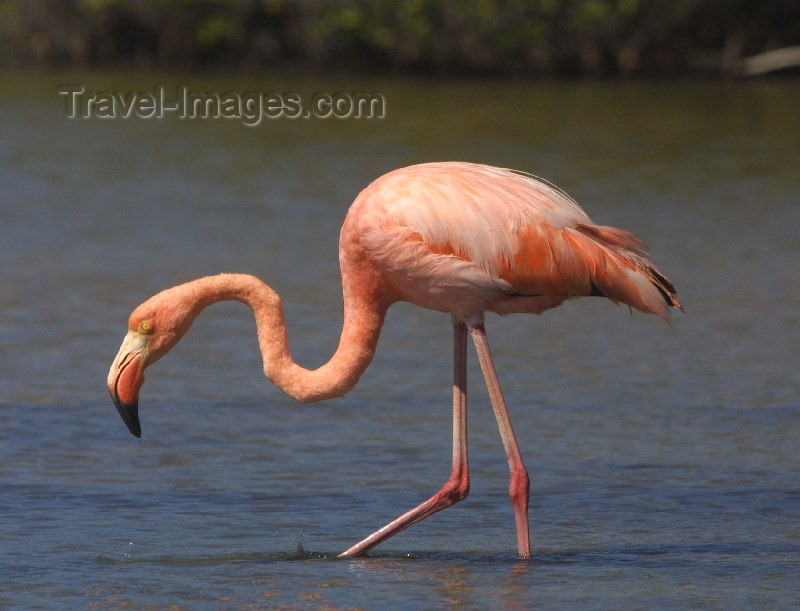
(153, 329)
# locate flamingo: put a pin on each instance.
(459, 238)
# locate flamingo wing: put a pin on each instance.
(467, 238)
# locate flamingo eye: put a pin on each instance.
(145, 327)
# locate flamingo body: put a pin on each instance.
(466, 239)
(459, 238)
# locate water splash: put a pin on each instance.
(301, 552)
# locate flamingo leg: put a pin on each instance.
(457, 487)
(520, 482)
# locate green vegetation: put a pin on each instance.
(486, 37)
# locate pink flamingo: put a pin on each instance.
(455, 237)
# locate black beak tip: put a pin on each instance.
(135, 428)
(130, 415)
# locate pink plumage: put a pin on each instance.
(468, 238)
(460, 238)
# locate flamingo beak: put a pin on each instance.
(126, 377)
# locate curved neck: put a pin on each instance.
(363, 317)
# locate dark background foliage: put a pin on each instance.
(461, 37)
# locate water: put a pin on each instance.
(665, 461)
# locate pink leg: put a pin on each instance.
(520, 482)
(457, 487)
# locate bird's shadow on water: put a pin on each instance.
(674, 555)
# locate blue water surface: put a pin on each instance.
(664, 460)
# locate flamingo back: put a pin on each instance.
(468, 238)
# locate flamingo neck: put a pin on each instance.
(363, 318)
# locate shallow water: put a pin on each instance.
(665, 461)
